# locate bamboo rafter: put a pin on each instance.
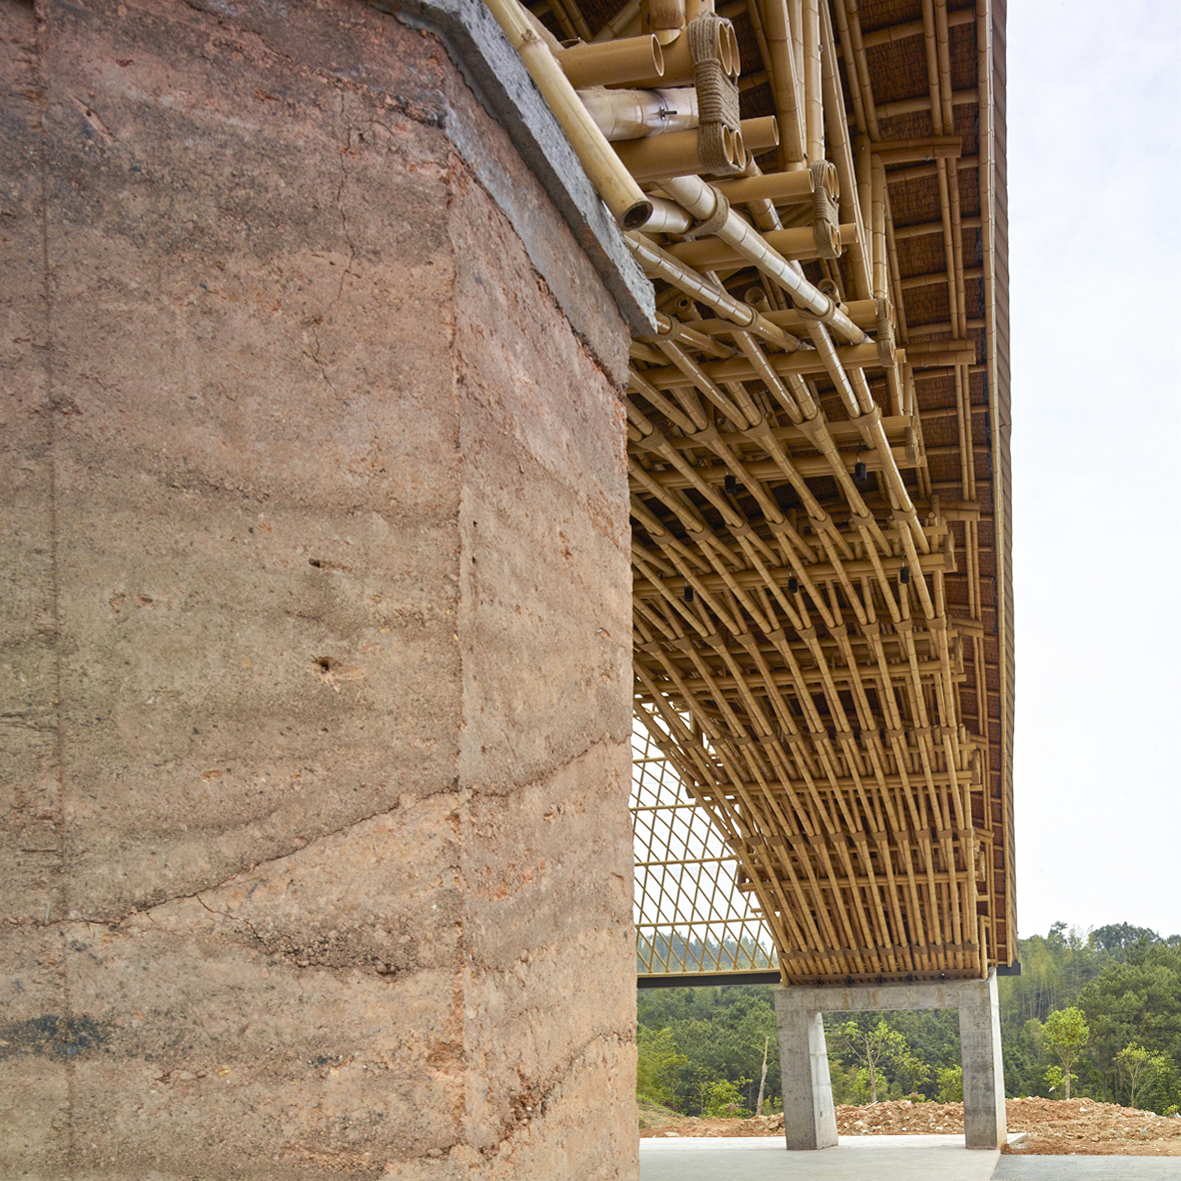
(818, 481)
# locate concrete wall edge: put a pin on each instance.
(501, 83)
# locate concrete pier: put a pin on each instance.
(809, 1120)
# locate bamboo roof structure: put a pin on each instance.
(819, 463)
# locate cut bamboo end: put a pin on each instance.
(622, 196)
(761, 135)
(636, 216)
(781, 187)
(659, 157)
(613, 63)
(678, 61)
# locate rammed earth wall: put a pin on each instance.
(316, 626)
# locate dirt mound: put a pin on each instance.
(1055, 1127)
(1085, 1128)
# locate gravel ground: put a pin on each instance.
(1054, 1127)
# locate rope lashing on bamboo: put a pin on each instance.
(664, 15)
(885, 333)
(713, 223)
(826, 217)
(717, 96)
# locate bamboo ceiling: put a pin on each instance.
(819, 470)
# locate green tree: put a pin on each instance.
(951, 1084)
(874, 1047)
(1137, 1000)
(1118, 938)
(657, 1065)
(722, 1032)
(1137, 1067)
(1066, 1034)
(724, 1100)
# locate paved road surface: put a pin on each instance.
(1088, 1168)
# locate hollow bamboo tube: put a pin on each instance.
(675, 154)
(619, 191)
(850, 20)
(763, 212)
(771, 17)
(813, 94)
(633, 114)
(760, 135)
(838, 130)
(678, 62)
(612, 63)
(797, 242)
(881, 268)
(784, 188)
(661, 264)
(701, 200)
(615, 26)
(667, 217)
(659, 156)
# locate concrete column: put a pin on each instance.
(809, 1120)
(803, 1063)
(985, 1123)
(315, 687)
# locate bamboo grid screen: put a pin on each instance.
(691, 917)
(819, 477)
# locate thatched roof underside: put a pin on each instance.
(823, 619)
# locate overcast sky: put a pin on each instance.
(1094, 101)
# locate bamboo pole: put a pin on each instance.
(838, 130)
(892, 34)
(852, 24)
(619, 191)
(614, 27)
(612, 63)
(675, 154)
(770, 18)
(916, 150)
(813, 92)
(881, 266)
(784, 188)
(667, 217)
(678, 61)
(633, 114)
(661, 264)
(800, 242)
(700, 200)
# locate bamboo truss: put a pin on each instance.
(819, 479)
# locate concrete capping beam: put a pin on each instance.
(501, 83)
(809, 1121)
(868, 998)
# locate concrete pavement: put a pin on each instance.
(1088, 1168)
(880, 1158)
(856, 1158)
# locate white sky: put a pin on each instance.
(1094, 102)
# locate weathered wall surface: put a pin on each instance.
(315, 717)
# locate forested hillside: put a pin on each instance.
(1098, 1011)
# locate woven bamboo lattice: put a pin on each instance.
(819, 473)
